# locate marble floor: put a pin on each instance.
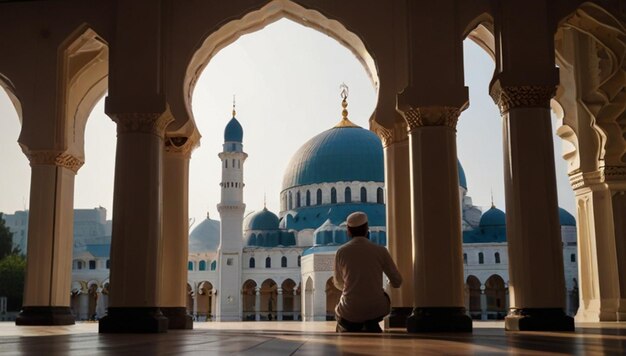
(311, 338)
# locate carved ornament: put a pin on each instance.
(606, 174)
(432, 116)
(152, 123)
(51, 158)
(521, 96)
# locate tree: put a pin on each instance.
(12, 271)
(6, 240)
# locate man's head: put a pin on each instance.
(357, 224)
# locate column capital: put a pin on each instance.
(55, 158)
(279, 291)
(152, 123)
(181, 144)
(509, 97)
(432, 116)
(606, 174)
(390, 136)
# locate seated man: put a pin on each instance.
(359, 267)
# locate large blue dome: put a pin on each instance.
(336, 155)
(462, 180)
(493, 217)
(261, 220)
(565, 218)
(233, 131)
(205, 237)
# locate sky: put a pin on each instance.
(286, 79)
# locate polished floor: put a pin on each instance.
(311, 338)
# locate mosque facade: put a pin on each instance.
(267, 266)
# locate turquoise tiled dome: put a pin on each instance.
(565, 218)
(261, 220)
(493, 217)
(335, 155)
(205, 236)
(233, 131)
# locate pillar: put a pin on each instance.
(50, 239)
(435, 222)
(257, 303)
(297, 305)
(279, 304)
(175, 245)
(136, 237)
(195, 303)
(398, 208)
(483, 303)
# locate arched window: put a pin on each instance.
(308, 198)
(283, 261)
(299, 257)
(92, 264)
(363, 195)
(290, 201)
(213, 265)
(348, 195)
(319, 197)
(465, 258)
(225, 163)
(252, 262)
(108, 264)
(190, 266)
(497, 257)
(268, 262)
(380, 196)
(298, 199)
(333, 195)
(481, 258)
(233, 163)
(572, 257)
(202, 266)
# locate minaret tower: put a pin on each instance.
(231, 209)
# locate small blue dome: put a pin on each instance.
(462, 179)
(205, 237)
(262, 220)
(565, 218)
(233, 131)
(493, 217)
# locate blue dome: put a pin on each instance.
(462, 179)
(565, 218)
(335, 155)
(205, 237)
(233, 131)
(261, 220)
(493, 217)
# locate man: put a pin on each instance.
(359, 267)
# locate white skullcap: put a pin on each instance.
(357, 218)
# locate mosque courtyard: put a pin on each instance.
(308, 338)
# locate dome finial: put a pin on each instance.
(265, 200)
(492, 204)
(345, 122)
(234, 112)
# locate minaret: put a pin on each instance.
(231, 209)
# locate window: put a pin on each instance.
(497, 257)
(283, 261)
(299, 257)
(572, 257)
(268, 262)
(202, 266)
(238, 163)
(233, 163)
(92, 264)
(229, 262)
(465, 258)
(380, 196)
(190, 266)
(79, 265)
(213, 265)
(108, 264)
(363, 195)
(333, 196)
(319, 197)
(481, 258)
(225, 163)
(348, 195)
(252, 262)
(308, 198)
(297, 199)
(290, 201)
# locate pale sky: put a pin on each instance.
(286, 78)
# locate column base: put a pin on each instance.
(177, 317)
(45, 316)
(439, 319)
(538, 319)
(397, 318)
(133, 320)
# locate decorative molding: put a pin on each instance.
(521, 96)
(390, 136)
(603, 175)
(152, 123)
(52, 158)
(432, 116)
(182, 145)
(614, 173)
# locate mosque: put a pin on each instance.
(261, 265)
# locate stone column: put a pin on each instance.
(297, 305)
(507, 298)
(436, 221)
(483, 303)
(195, 303)
(257, 304)
(279, 304)
(50, 239)
(175, 245)
(137, 226)
(398, 205)
(536, 277)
